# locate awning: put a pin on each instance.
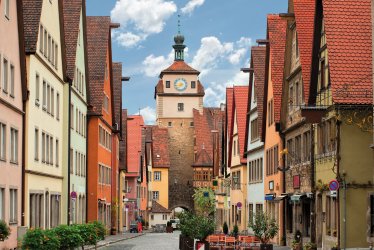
(297, 197)
(269, 197)
(280, 197)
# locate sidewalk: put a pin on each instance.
(111, 239)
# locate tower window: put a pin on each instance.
(169, 124)
(193, 85)
(180, 106)
(168, 84)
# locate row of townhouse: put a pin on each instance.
(303, 124)
(61, 117)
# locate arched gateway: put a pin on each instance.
(177, 94)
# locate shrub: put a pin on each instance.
(100, 229)
(69, 237)
(4, 230)
(225, 228)
(88, 233)
(38, 239)
(264, 227)
(196, 226)
(235, 231)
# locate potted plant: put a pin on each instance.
(235, 231)
(225, 228)
(265, 228)
(4, 230)
(310, 246)
(295, 245)
(334, 233)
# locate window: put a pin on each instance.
(105, 138)
(13, 206)
(157, 176)
(53, 53)
(152, 217)
(180, 106)
(155, 195)
(71, 116)
(322, 73)
(36, 144)
(270, 112)
(12, 80)
(193, 85)
(49, 48)
(255, 171)
(56, 55)
(37, 89)
(371, 214)
(41, 31)
(297, 95)
(57, 153)
(5, 75)
(58, 106)
(169, 124)
(167, 84)
(43, 147)
(164, 217)
(45, 43)
(14, 145)
(55, 210)
(297, 45)
(6, 8)
(250, 212)
(306, 146)
(72, 162)
(234, 147)
(48, 99)
(236, 180)
(254, 130)
(52, 102)
(2, 141)
(36, 201)
(44, 95)
(259, 207)
(106, 103)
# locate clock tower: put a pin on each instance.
(177, 93)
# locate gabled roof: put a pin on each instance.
(258, 62)
(158, 208)
(32, 10)
(276, 29)
(117, 93)
(160, 148)
(134, 142)
(98, 43)
(179, 67)
(348, 28)
(203, 159)
(240, 102)
(72, 13)
(304, 11)
(229, 122)
(123, 142)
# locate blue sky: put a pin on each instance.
(218, 35)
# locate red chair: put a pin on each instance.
(214, 242)
(230, 243)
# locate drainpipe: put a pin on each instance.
(312, 182)
(69, 156)
(23, 163)
(284, 236)
(344, 188)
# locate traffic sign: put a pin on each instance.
(239, 204)
(73, 195)
(334, 185)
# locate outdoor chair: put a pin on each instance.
(246, 242)
(230, 243)
(214, 242)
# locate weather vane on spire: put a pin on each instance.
(179, 24)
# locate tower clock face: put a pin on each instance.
(180, 84)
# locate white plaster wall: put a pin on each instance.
(157, 219)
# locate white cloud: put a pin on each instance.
(237, 55)
(149, 115)
(153, 65)
(191, 5)
(129, 39)
(145, 17)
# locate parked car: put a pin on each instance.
(133, 227)
(175, 223)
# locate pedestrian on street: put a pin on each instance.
(140, 227)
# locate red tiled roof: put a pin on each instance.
(117, 92)
(240, 101)
(203, 159)
(258, 58)
(348, 35)
(158, 208)
(123, 142)
(304, 15)
(277, 37)
(179, 67)
(134, 142)
(98, 42)
(72, 13)
(32, 10)
(160, 147)
(229, 120)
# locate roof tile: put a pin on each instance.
(240, 101)
(32, 10)
(160, 147)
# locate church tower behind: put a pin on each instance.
(177, 94)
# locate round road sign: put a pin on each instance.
(239, 204)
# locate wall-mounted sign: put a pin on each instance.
(296, 181)
(334, 185)
(73, 195)
(271, 185)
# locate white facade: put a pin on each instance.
(255, 158)
(158, 219)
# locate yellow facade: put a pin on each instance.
(161, 186)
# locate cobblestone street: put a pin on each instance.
(149, 241)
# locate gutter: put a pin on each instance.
(69, 156)
(284, 236)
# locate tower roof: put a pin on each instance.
(179, 67)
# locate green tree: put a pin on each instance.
(264, 227)
(196, 226)
(204, 200)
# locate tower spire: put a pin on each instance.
(179, 46)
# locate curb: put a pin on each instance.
(113, 242)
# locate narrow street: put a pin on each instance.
(149, 241)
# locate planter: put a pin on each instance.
(266, 246)
(113, 231)
(185, 243)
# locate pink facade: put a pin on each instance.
(11, 116)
